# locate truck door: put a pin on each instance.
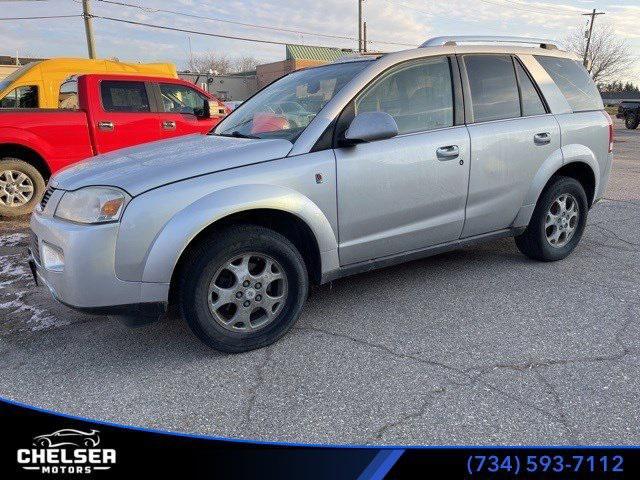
(124, 116)
(185, 110)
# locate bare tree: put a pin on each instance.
(244, 64)
(609, 56)
(209, 62)
(220, 64)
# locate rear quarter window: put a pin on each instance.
(573, 81)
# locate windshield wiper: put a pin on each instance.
(238, 134)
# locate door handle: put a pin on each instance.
(168, 124)
(106, 126)
(542, 138)
(448, 153)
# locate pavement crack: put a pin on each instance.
(429, 399)
(384, 348)
(260, 381)
(614, 235)
(563, 418)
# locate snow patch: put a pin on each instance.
(12, 239)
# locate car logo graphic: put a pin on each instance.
(68, 436)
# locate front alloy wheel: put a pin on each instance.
(16, 188)
(242, 287)
(248, 292)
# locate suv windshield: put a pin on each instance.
(287, 106)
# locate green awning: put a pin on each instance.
(324, 54)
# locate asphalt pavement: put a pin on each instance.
(476, 346)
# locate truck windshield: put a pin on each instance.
(287, 106)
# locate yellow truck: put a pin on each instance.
(37, 84)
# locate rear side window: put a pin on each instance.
(68, 95)
(531, 101)
(493, 87)
(573, 81)
(418, 95)
(123, 96)
(21, 97)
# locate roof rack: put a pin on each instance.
(455, 40)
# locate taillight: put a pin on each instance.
(610, 120)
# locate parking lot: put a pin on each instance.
(477, 346)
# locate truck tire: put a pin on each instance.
(557, 223)
(21, 187)
(631, 121)
(242, 288)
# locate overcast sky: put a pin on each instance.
(400, 21)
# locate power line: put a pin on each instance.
(39, 18)
(246, 24)
(195, 32)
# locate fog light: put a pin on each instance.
(52, 257)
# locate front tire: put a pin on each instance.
(21, 187)
(242, 288)
(557, 223)
(631, 121)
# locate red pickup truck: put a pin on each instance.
(97, 114)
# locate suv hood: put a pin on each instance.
(143, 167)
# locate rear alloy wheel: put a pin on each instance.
(21, 187)
(242, 288)
(557, 223)
(631, 121)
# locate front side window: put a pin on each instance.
(418, 95)
(21, 97)
(287, 106)
(494, 91)
(531, 101)
(182, 99)
(573, 81)
(124, 96)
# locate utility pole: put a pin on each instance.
(364, 37)
(593, 16)
(88, 28)
(360, 46)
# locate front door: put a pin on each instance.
(408, 192)
(184, 111)
(126, 116)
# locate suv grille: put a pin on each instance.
(45, 198)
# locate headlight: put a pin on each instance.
(92, 205)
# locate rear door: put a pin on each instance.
(124, 116)
(184, 110)
(512, 134)
(407, 192)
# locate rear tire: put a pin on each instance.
(631, 121)
(224, 313)
(21, 187)
(552, 234)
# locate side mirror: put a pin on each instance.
(214, 109)
(369, 127)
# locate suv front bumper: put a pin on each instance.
(86, 280)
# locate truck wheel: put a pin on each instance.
(21, 187)
(242, 288)
(631, 121)
(557, 222)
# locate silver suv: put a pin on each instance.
(327, 172)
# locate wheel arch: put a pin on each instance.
(583, 167)
(27, 154)
(284, 210)
(289, 225)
